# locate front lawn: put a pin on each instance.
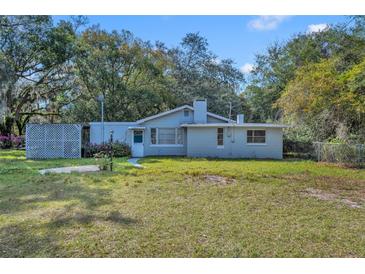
(181, 207)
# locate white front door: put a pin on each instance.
(137, 143)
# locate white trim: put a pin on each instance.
(253, 136)
(254, 126)
(157, 137)
(114, 123)
(182, 108)
(220, 147)
(163, 114)
(217, 134)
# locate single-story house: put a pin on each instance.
(194, 132)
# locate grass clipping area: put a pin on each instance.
(181, 207)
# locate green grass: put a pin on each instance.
(171, 209)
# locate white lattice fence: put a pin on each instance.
(53, 141)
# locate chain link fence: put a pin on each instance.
(340, 153)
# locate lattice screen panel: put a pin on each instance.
(53, 141)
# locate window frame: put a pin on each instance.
(176, 144)
(141, 135)
(254, 137)
(218, 135)
(155, 136)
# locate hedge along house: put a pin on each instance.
(194, 132)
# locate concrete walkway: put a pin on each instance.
(134, 162)
(81, 169)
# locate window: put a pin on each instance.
(153, 136)
(138, 136)
(220, 137)
(256, 136)
(186, 113)
(167, 136)
(179, 136)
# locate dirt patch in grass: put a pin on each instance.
(211, 179)
(327, 196)
(345, 190)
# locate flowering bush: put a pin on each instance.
(119, 149)
(11, 141)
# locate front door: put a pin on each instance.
(137, 144)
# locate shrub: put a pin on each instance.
(18, 141)
(298, 149)
(5, 142)
(102, 159)
(119, 149)
(11, 141)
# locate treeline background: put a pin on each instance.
(51, 72)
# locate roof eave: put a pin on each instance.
(163, 114)
(246, 125)
(178, 109)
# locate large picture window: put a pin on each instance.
(167, 136)
(256, 136)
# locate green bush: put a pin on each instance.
(119, 149)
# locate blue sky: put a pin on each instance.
(235, 37)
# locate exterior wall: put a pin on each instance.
(202, 142)
(173, 120)
(121, 132)
(198, 142)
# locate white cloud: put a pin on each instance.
(317, 28)
(247, 68)
(267, 22)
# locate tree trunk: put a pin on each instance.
(21, 124)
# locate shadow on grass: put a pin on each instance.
(27, 239)
(159, 159)
(28, 196)
(66, 219)
(18, 240)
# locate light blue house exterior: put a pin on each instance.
(194, 132)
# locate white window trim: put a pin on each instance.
(220, 146)
(166, 145)
(256, 144)
(155, 137)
